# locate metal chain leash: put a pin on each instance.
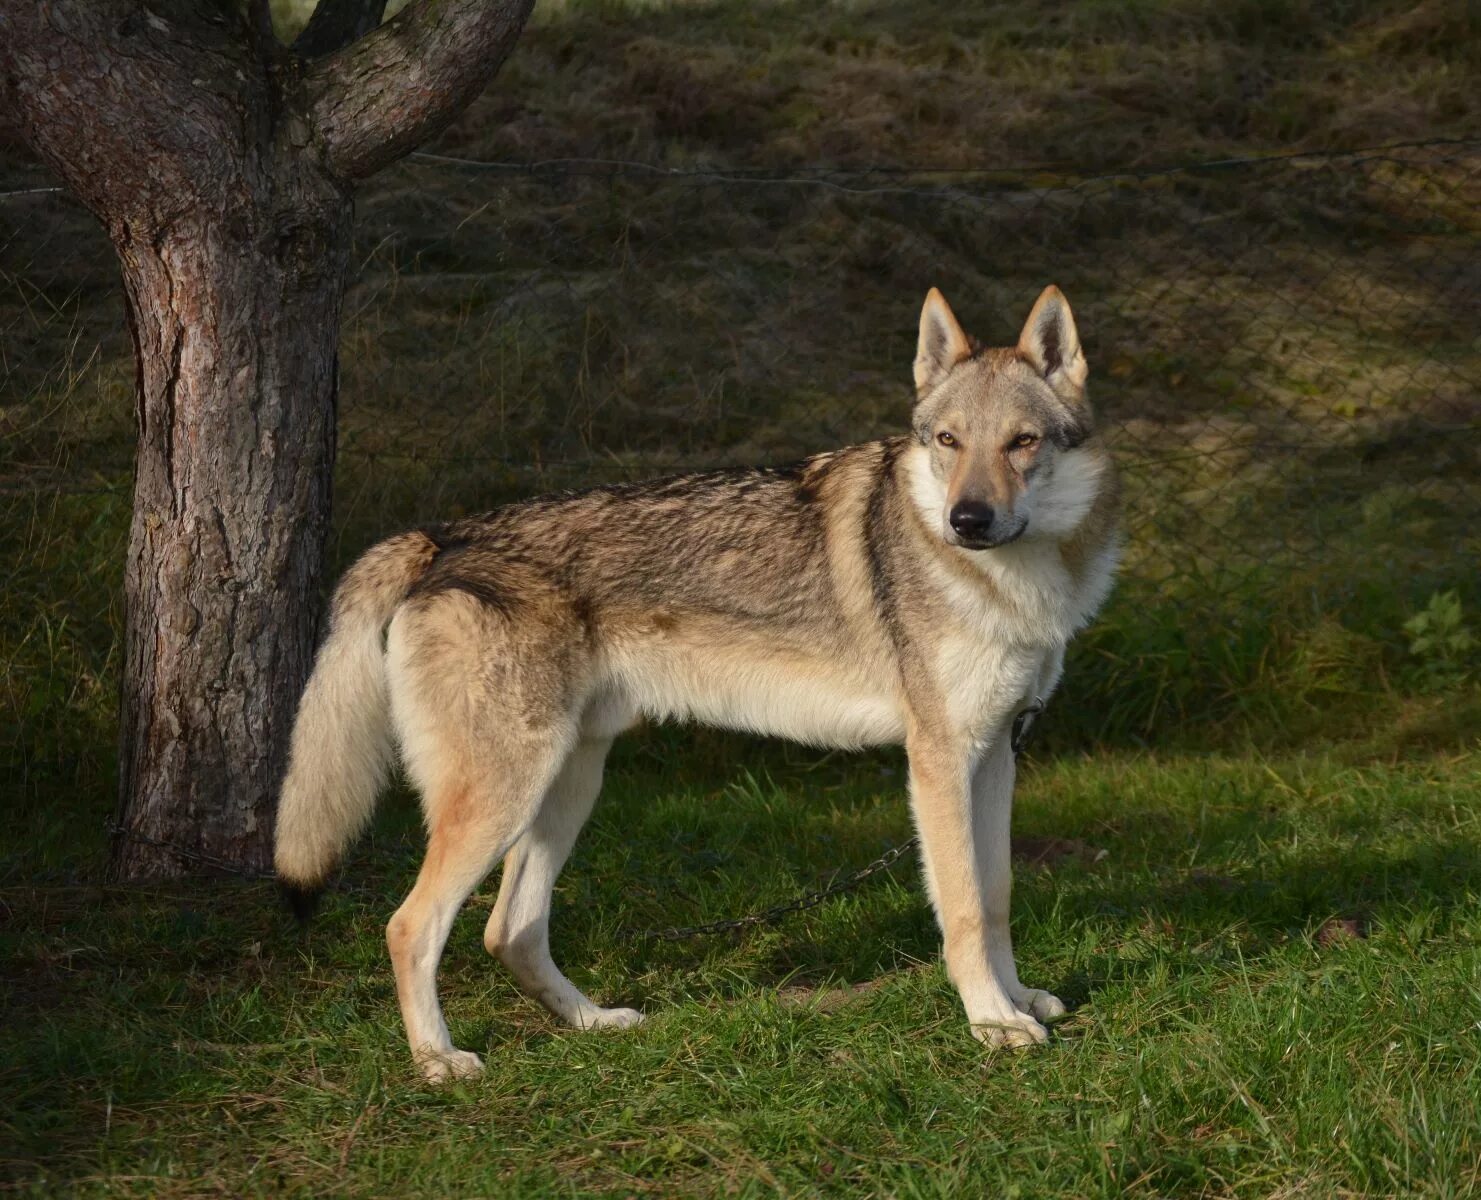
(770, 916)
(1022, 724)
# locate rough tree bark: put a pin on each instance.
(222, 167)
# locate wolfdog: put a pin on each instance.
(918, 589)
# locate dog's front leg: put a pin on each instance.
(941, 793)
(992, 812)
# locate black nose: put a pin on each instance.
(972, 520)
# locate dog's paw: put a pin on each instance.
(1038, 1003)
(450, 1064)
(612, 1018)
(1024, 1031)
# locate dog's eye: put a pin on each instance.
(946, 439)
(1022, 441)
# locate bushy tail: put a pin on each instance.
(342, 744)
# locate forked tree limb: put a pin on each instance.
(158, 73)
(377, 99)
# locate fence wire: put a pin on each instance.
(1286, 351)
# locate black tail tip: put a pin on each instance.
(302, 900)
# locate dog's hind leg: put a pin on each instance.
(473, 824)
(518, 931)
(483, 734)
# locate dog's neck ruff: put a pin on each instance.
(1025, 583)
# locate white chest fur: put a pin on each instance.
(1009, 631)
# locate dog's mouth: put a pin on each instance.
(955, 539)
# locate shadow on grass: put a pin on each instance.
(206, 995)
(1211, 917)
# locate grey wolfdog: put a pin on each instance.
(918, 589)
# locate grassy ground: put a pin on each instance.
(1273, 970)
(1273, 966)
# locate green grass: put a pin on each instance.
(1229, 1035)
(1274, 968)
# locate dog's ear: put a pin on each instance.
(1050, 344)
(942, 343)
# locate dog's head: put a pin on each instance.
(1004, 430)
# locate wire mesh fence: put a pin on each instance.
(1286, 352)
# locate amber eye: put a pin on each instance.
(1022, 441)
(946, 439)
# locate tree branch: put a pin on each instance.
(335, 24)
(129, 104)
(384, 95)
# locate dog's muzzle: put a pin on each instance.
(978, 526)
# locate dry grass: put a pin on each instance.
(1087, 86)
(1284, 351)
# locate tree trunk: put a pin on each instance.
(235, 326)
(221, 166)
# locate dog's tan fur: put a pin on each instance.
(919, 589)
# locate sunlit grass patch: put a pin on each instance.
(1223, 1038)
